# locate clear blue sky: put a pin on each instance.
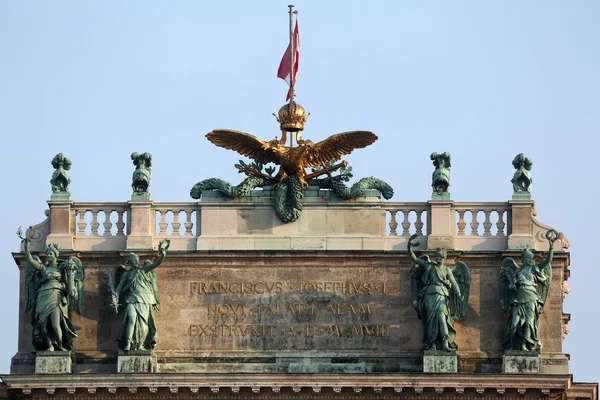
(98, 80)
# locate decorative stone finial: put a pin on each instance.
(522, 178)
(60, 178)
(291, 117)
(141, 176)
(440, 180)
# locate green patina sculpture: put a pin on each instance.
(523, 293)
(434, 286)
(60, 177)
(51, 287)
(137, 296)
(288, 196)
(440, 179)
(141, 176)
(522, 178)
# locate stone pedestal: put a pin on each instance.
(53, 362)
(521, 196)
(440, 196)
(440, 362)
(521, 362)
(441, 225)
(136, 361)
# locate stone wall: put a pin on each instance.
(309, 311)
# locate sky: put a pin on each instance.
(98, 80)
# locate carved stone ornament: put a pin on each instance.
(60, 177)
(440, 179)
(522, 178)
(141, 176)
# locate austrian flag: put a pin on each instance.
(284, 67)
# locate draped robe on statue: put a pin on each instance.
(140, 298)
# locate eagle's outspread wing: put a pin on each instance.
(336, 146)
(245, 144)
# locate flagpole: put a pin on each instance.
(292, 51)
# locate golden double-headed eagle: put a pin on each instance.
(293, 160)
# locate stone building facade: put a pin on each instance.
(318, 308)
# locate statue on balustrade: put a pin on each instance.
(440, 179)
(523, 294)
(141, 176)
(60, 177)
(137, 296)
(522, 178)
(435, 287)
(51, 288)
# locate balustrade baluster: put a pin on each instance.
(393, 224)
(461, 223)
(81, 224)
(406, 223)
(176, 224)
(474, 223)
(188, 224)
(419, 222)
(163, 222)
(107, 224)
(500, 224)
(95, 224)
(487, 224)
(120, 223)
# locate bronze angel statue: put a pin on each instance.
(137, 296)
(523, 294)
(434, 287)
(52, 287)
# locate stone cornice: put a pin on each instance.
(398, 383)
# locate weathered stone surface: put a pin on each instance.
(440, 362)
(479, 335)
(136, 362)
(520, 362)
(53, 362)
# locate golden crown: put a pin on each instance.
(291, 117)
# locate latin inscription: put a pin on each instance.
(269, 310)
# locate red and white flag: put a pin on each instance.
(284, 67)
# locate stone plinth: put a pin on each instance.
(327, 222)
(135, 361)
(521, 362)
(440, 362)
(53, 362)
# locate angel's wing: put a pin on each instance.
(463, 279)
(336, 146)
(507, 282)
(244, 143)
(416, 282)
(78, 280)
(544, 277)
(31, 283)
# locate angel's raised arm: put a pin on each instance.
(420, 262)
(156, 262)
(29, 257)
(546, 261)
